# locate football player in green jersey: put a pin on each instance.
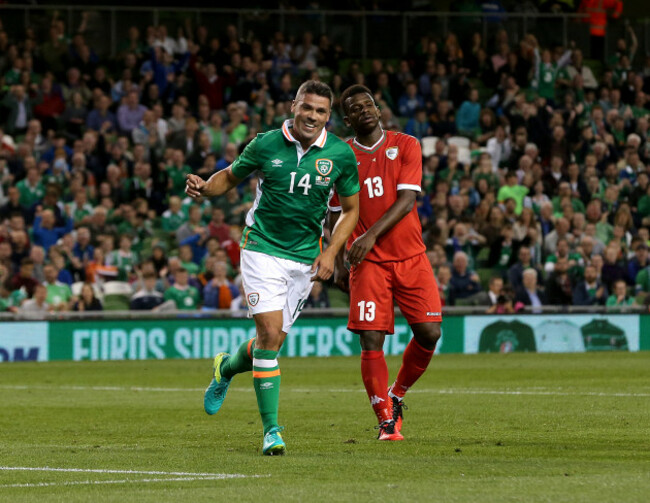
(298, 167)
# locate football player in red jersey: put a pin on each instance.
(387, 258)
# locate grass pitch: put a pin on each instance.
(480, 428)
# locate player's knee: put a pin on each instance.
(372, 341)
(268, 336)
(427, 334)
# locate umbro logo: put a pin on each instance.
(276, 162)
(266, 385)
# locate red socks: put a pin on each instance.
(374, 373)
(414, 362)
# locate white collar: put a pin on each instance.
(383, 135)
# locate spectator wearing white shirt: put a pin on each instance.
(499, 147)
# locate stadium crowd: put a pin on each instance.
(535, 188)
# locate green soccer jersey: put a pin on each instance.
(30, 194)
(507, 337)
(516, 192)
(601, 335)
(58, 293)
(286, 219)
(191, 268)
(643, 280)
(186, 298)
(172, 221)
(547, 78)
(14, 299)
(206, 209)
(5, 304)
(177, 176)
(125, 262)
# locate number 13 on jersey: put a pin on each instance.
(366, 310)
(375, 186)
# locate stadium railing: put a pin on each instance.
(362, 34)
(320, 313)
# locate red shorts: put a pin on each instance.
(374, 285)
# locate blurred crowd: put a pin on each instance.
(535, 189)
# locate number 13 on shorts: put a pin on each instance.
(366, 310)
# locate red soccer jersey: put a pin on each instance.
(394, 163)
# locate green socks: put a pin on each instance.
(266, 379)
(241, 361)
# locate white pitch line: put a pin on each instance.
(125, 472)
(125, 481)
(452, 391)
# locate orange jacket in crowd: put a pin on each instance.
(597, 10)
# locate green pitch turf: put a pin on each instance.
(483, 428)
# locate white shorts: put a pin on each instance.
(275, 284)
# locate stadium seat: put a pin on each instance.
(117, 288)
(459, 141)
(76, 288)
(464, 155)
(116, 302)
(428, 145)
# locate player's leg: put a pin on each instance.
(374, 372)
(272, 329)
(265, 284)
(371, 316)
(416, 357)
(224, 368)
(267, 378)
(416, 293)
(241, 361)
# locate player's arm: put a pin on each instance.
(341, 273)
(400, 208)
(345, 223)
(218, 184)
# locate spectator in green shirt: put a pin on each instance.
(619, 298)
(184, 296)
(237, 129)
(58, 294)
(185, 254)
(174, 217)
(177, 171)
(564, 192)
(513, 191)
(31, 187)
(643, 280)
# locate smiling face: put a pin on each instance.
(310, 114)
(362, 113)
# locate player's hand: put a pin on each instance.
(323, 267)
(342, 279)
(194, 185)
(360, 248)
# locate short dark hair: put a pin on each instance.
(315, 87)
(352, 91)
